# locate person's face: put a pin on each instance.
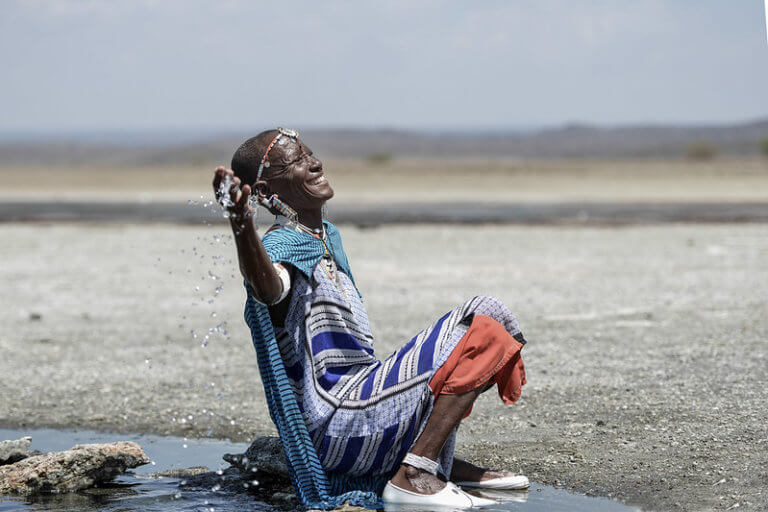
(296, 176)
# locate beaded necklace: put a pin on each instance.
(328, 264)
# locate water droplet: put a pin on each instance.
(177, 496)
(215, 487)
(231, 422)
(184, 445)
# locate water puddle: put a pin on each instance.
(134, 492)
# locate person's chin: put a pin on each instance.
(322, 195)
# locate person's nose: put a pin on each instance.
(315, 165)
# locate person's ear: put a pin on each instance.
(262, 188)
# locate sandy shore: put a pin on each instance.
(646, 363)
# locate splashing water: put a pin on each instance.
(223, 193)
(253, 202)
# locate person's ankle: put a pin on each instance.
(412, 473)
(417, 480)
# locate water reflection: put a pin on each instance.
(137, 492)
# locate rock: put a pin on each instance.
(285, 499)
(261, 471)
(14, 451)
(181, 472)
(70, 470)
(228, 479)
(263, 486)
(264, 455)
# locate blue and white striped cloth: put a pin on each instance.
(360, 413)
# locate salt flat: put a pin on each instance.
(646, 364)
(727, 179)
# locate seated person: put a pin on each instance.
(395, 418)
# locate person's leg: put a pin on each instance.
(447, 412)
(491, 347)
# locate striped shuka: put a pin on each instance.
(346, 418)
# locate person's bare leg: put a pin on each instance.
(447, 412)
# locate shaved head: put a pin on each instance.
(246, 160)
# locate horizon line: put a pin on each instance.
(210, 133)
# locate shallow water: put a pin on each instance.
(134, 492)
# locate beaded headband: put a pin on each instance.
(281, 132)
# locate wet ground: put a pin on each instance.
(581, 213)
(647, 367)
(135, 492)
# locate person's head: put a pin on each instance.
(291, 171)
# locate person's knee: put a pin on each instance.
(495, 337)
(492, 303)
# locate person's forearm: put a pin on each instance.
(255, 265)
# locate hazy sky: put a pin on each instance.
(228, 64)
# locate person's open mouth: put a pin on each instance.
(317, 181)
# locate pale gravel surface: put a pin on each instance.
(647, 356)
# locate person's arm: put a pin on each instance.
(255, 265)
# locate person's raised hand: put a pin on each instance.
(226, 187)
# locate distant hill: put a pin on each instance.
(571, 141)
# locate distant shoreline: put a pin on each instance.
(371, 215)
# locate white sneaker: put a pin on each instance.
(501, 483)
(449, 496)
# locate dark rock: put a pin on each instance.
(71, 470)
(286, 499)
(264, 455)
(14, 451)
(263, 486)
(261, 471)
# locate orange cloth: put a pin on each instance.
(485, 355)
